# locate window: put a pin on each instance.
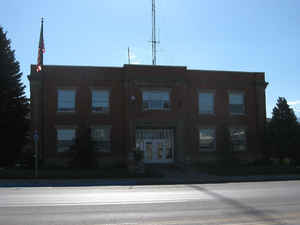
(236, 103)
(238, 139)
(65, 138)
(206, 102)
(207, 139)
(156, 100)
(101, 137)
(100, 100)
(66, 100)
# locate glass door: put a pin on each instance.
(157, 145)
(154, 151)
(159, 150)
(148, 151)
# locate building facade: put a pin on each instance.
(173, 114)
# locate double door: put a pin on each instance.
(157, 145)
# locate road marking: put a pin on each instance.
(96, 198)
(19, 204)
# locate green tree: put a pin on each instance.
(282, 132)
(14, 105)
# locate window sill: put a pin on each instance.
(64, 153)
(237, 114)
(206, 114)
(99, 112)
(207, 150)
(245, 150)
(103, 152)
(65, 112)
(160, 110)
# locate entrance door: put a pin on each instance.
(154, 151)
(157, 145)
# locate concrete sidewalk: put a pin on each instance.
(141, 181)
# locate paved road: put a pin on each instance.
(233, 203)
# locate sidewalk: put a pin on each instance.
(202, 179)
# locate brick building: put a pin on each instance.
(173, 114)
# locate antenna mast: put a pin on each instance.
(154, 42)
(128, 55)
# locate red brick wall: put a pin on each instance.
(126, 115)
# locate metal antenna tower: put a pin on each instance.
(128, 55)
(154, 42)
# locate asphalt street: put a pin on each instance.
(231, 203)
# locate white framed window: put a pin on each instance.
(207, 139)
(206, 102)
(66, 100)
(65, 139)
(238, 138)
(156, 100)
(102, 138)
(100, 100)
(236, 103)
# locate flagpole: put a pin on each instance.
(41, 51)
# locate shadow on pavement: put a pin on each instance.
(247, 210)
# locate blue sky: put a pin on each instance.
(242, 35)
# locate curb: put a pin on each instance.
(141, 181)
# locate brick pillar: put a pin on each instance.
(126, 127)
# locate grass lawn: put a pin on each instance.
(211, 169)
(13, 173)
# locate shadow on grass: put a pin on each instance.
(245, 170)
(246, 210)
(68, 177)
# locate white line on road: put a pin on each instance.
(19, 204)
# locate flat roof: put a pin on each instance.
(146, 67)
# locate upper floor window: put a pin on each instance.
(156, 100)
(236, 103)
(100, 100)
(65, 139)
(206, 102)
(207, 139)
(101, 137)
(238, 139)
(66, 100)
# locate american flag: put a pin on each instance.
(41, 50)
